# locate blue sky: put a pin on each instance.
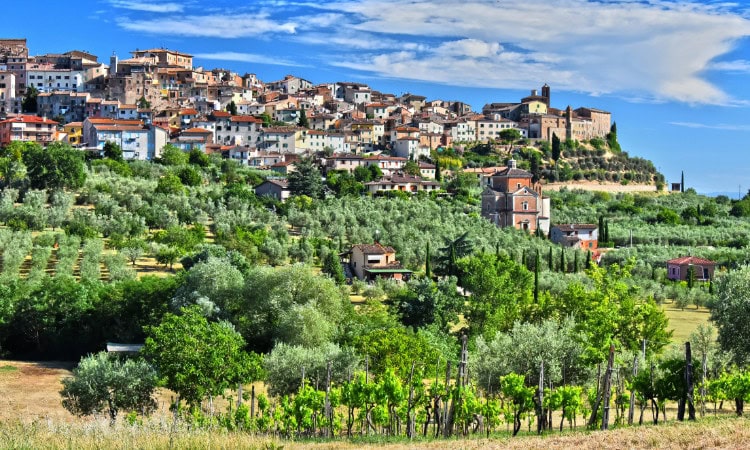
(675, 74)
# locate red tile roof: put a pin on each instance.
(29, 119)
(198, 131)
(246, 119)
(691, 260)
(374, 249)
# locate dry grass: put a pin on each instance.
(600, 186)
(712, 433)
(31, 391)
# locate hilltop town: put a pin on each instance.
(157, 96)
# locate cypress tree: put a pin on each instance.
(438, 177)
(524, 259)
(599, 235)
(690, 277)
(555, 147)
(427, 268)
(497, 250)
(682, 181)
(332, 267)
(575, 262)
(551, 261)
(563, 269)
(588, 259)
(536, 278)
(606, 233)
(710, 286)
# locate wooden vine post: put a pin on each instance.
(608, 387)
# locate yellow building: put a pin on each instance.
(74, 130)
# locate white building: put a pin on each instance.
(137, 141)
(45, 78)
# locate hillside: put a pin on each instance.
(595, 160)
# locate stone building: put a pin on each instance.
(512, 200)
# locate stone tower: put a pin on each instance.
(545, 94)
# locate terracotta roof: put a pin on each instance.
(281, 129)
(691, 260)
(221, 114)
(374, 249)
(106, 127)
(402, 179)
(29, 119)
(345, 156)
(246, 119)
(283, 183)
(386, 158)
(576, 226)
(511, 172)
(198, 131)
(103, 120)
(188, 112)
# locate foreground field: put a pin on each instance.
(711, 433)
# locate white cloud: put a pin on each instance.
(638, 49)
(653, 50)
(214, 25)
(246, 57)
(736, 66)
(721, 126)
(148, 7)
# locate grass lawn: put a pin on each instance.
(684, 321)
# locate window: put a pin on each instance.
(525, 206)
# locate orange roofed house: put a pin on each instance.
(28, 128)
(369, 261)
(679, 268)
(582, 236)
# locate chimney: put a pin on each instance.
(511, 164)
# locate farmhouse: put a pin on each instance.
(369, 261)
(679, 268)
(581, 236)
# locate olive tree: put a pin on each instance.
(104, 383)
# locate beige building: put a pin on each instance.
(370, 261)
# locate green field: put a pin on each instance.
(685, 321)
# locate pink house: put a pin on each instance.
(678, 268)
